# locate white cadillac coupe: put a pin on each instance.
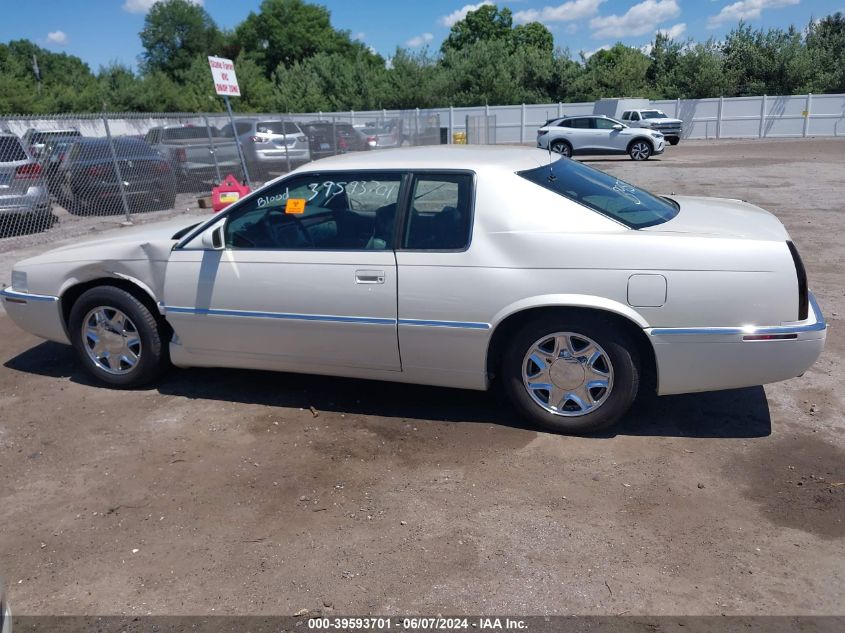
(463, 267)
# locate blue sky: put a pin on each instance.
(101, 31)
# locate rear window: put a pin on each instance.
(603, 193)
(42, 137)
(189, 133)
(123, 148)
(11, 150)
(276, 127)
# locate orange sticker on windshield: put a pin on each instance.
(295, 206)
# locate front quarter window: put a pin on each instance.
(616, 199)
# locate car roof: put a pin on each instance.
(439, 158)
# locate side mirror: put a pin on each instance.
(617, 126)
(212, 238)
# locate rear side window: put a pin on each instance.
(626, 116)
(581, 123)
(440, 216)
(635, 116)
(603, 193)
(11, 150)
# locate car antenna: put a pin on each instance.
(552, 176)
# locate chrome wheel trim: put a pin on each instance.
(640, 150)
(111, 340)
(562, 148)
(567, 374)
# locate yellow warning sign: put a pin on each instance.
(295, 206)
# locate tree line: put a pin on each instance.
(289, 58)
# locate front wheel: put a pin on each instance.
(673, 140)
(639, 150)
(117, 337)
(571, 375)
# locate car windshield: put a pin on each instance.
(653, 114)
(601, 192)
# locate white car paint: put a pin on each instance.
(727, 274)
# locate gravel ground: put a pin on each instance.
(222, 492)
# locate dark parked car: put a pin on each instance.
(88, 184)
(329, 139)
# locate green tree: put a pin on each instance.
(284, 32)
(175, 33)
(485, 24)
(826, 49)
(617, 72)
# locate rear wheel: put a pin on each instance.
(639, 150)
(571, 375)
(562, 147)
(117, 337)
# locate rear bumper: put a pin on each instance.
(39, 314)
(278, 156)
(35, 200)
(712, 358)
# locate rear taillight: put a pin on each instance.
(372, 141)
(259, 139)
(801, 272)
(26, 172)
(181, 155)
(61, 157)
(98, 171)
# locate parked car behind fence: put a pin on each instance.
(88, 184)
(269, 145)
(24, 201)
(193, 155)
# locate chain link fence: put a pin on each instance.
(65, 176)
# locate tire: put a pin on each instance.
(613, 361)
(673, 140)
(561, 147)
(640, 149)
(139, 324)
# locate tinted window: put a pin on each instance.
(581, 123)
(42, 137)
(11, 150)
(635, 116)
(626, 116)
(123, 148)
(276, 127)
(441, 213)
(606, 194)
(342, 211)
(189, 133)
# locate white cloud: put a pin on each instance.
(746, 10)
(360, 36)
(459, 14)
(57, 37)
(142, 6)
(675, 31)
(640, 19)
(566, 12)
(588, 54)
(419, 40)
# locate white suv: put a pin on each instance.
(599, 135)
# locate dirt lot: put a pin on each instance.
(221, 492)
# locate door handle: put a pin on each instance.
(369, 276)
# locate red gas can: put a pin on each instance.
(227, 192)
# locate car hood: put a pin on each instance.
(149, 241)
(664, 120)
(722, 217)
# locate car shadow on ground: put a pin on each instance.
(737, 413)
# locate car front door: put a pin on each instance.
(306, 279)
(607, 137)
